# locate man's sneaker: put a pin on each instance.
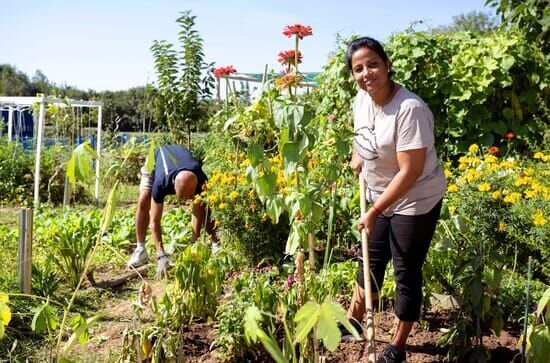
(391, 355)
(347, 336)
(139, 257)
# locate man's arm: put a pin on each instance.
(198, 216)
(155, 219)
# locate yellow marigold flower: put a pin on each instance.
(255, 106)
(462, 166)
(474, 148)
(229, 156)
(448, 173)
(537, 187)
(472, 175)
(474, 161)
(251, 193)
(330, 142)
(529, 171)
(538, 218)
(485, 187)
(233, 194)
(490, 159)
(497, 194)
(501, 227)
(222, 206)
(512, 198)
(242, 180)
(494, 167)
(546, 158)
(452, 188)
(203, 194)
(452, 209)
(529, 193)
(244, 163)
(538, 155)
(463, 159)
(522, 180)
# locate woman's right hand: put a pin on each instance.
(356, 163)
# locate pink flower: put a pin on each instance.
(224, 71)
(331, 117)
(290, 280)
(297, 29)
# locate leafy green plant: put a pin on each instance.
(539, 331)
(321, 319)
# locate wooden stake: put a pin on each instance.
(371, 351)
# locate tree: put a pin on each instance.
(475, 21)
(184, 79)
(13, 82)
(532, 17)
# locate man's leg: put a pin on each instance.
(142, 215)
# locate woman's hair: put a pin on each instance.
(372, 44)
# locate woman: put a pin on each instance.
(394, 152)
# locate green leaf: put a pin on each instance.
(508, 113)
(543, 303)
(272, 348)
(507, 62)
(81, 332)
(150, 162)
(265, 185)
(2, 330)
(255, 154)
(475, 291)
(80, 164)
(290, 154)
(327, 329)
(539, 338)
(110, 207)
(274, 209)
(317, 211)
(306, 318)
(293, 241)
(497, 323)
(44, 319)
(5, 313)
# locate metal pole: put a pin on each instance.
(38, 152)
(24, 265)
(99, 120)
(10, 123)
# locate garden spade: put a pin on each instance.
(371, 352)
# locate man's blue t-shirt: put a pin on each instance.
(169, 161)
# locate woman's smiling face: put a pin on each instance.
(369, 70)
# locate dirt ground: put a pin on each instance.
(197, 338)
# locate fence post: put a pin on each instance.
(24, 261)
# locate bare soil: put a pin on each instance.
(198, 338)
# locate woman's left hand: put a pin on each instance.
(368, 221)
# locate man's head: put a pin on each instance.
(185, 184)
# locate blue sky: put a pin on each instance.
(104, 44)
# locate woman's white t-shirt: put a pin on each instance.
(405, 123)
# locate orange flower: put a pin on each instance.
(224, 71)
(493, 150)
(510, 135)
(287, 57)
(288, 80)
(297, 29)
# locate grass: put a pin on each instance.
(9, 215)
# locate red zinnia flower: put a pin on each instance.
(493, 150)
(510, 135)
(287, 57)
(297, 29)
(224, 71)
